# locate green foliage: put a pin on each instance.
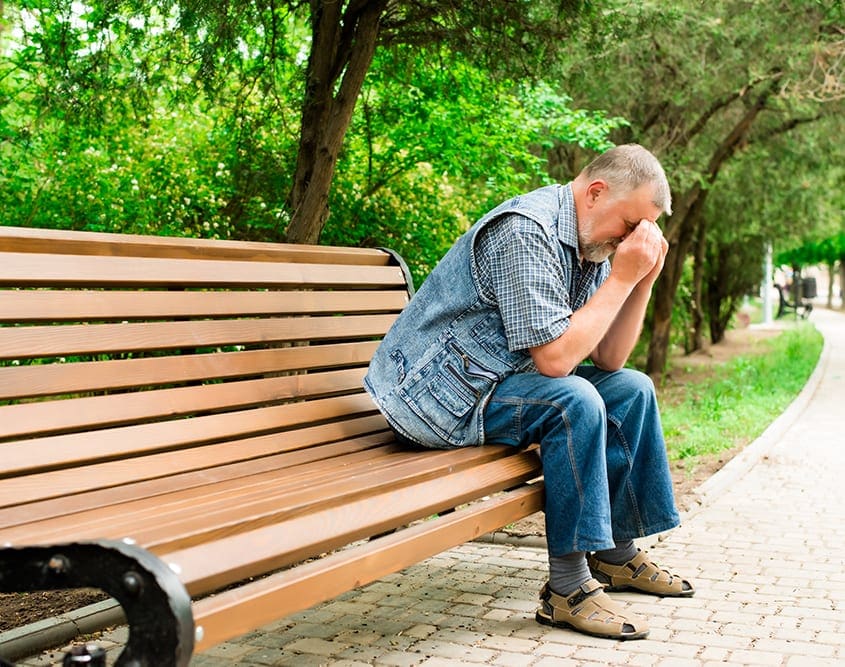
(735, 99)
(736, 240)
(151, 181)
(436, 142)
(143, 141)
(124, 147)
(733, 270)
(743, 397)
(827, 251)
(682, 325)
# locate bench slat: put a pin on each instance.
(50, 270)
(233, 613)
(31, 498)
(255, 506)
(82, 339)
(231, 558)
(25, 239)
(25, 456)
(75, 305)
(235, 505)
(87, 376)
(94, 412)
(320, 484)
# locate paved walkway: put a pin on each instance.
(766, 548)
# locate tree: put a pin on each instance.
(343, 40)
(247, 57)
(700, 84)
(773, 193)
(436, 140)
(230, 50)
(343, 37)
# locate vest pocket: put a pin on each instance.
(452, 392)
(445, 395)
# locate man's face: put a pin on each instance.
(609, 219)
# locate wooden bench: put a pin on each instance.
(181, 417)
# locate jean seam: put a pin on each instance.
(575, 475)
(629, 489)
(517, 423)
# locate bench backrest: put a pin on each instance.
(108, 342)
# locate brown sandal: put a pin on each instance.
(640, 574)
(590, 610)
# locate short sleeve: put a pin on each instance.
(521, 272)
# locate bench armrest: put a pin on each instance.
(156, 604)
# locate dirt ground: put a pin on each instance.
(20, 609)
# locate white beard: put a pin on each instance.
(597, 252)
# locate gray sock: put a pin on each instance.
(568, 572)
(620, 554)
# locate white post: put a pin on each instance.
(768, 279)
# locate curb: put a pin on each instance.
(31, 639)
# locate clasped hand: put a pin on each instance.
(641, 254)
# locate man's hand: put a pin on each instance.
(651, 276)
(640, 255)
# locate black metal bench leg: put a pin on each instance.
(156, 604)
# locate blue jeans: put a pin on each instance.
(604, 458)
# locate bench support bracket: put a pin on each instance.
(156, 604)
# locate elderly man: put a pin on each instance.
(494, 347)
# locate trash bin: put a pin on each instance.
(808, 288)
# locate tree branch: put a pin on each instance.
(717, 105)
(739, 133)
(785, 127)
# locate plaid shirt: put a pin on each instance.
(534, 279)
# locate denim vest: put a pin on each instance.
(439, 363)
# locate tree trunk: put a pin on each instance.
(698, 288)
(343, 44)
(831, 276)
(717, 289)
(664, 295)
(680, 230)
(658, 346)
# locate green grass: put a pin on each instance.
(739, 400)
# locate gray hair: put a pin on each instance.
(629, 166)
